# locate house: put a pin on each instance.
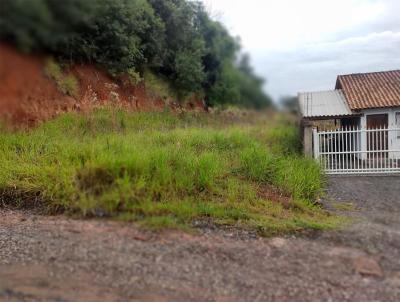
(361, 115)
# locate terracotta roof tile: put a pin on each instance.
(371, 90)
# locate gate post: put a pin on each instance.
(307, 140)
(316, 143)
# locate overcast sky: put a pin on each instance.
(302, 45)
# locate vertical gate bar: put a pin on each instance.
(328, 156)
(356, 148)
(332, 152)
(327, 149)
(363, 148)
(387, 148)
(369, 148)
(373, 149)
(353, 148)
(336, 149)
(339, 149)
(380, 144)
(371, 144)
(360, 147)
(367, 154)
(346, 147)
(362, 142)
(345, 150)
(322, 137)
(377, 150)
(386, 154)
(350, 148)
(381, 150)
(325, 156)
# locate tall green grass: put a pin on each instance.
(164, 170)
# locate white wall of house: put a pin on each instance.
(391, 112)
(393, 122)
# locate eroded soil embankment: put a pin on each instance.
(28, 95)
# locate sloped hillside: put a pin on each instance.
(29, 91)
(176, 42)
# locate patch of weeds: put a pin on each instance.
(159, 86)
(162, 170)
(69, 85)
(66, 83)
(134, 77)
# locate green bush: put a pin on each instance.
(67, 84)
(176, 39)
(52, 69)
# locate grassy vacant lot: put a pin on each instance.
(166, 170)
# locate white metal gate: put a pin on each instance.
(351, 150)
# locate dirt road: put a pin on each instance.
(60, 259)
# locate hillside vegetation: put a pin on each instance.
(174, 39)
(166, 170)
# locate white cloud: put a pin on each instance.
(315, 67)
(279, 24)
(303, 44)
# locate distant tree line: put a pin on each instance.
(176, 39)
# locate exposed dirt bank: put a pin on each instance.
(28, 95)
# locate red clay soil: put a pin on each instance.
(27, 95)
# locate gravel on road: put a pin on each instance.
(57, 258)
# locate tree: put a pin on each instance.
(176, 39)
(289, 103)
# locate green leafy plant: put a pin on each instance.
(67, 84)
(134, 77)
